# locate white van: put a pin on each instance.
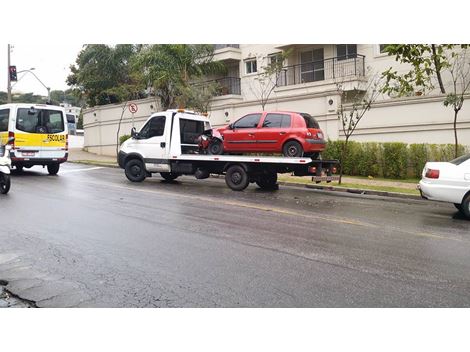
(40, 132)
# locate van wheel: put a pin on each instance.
(292, 149)
(216, 147)
(236, 178)
(466, 206)
(4, 183)
(53, 169)
(135, 170)
(268, 181)
(169, 176)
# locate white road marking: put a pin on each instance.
(78, 170)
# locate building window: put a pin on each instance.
(346, 51)
(250, 66)
(312, 66)
(275, 59)
(382, 48)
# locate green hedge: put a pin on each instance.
(389, 160)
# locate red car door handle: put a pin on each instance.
(282, 132)
(251, 134)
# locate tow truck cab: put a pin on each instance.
(168, 143)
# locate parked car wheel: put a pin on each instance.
(237, 178)
(135, 170)
(458, 206)
(53, 169)
(293, 149)
(216, 147)
(169, 176)
(268, 181)
(4, 183)
(466, 206)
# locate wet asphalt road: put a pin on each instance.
(90, 238)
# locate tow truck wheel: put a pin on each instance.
(293, 149)
(135, 170)
(53, 169)
(4, 183)
(268, 181)
(466, 206)
(169, 176)
(216, 147)
(237, 178)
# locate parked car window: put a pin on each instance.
(40, 121)
(460, 160)
(248, 121)
(310, 121)
(277, 121)
(190, 130)
(4, 117)
(154, 128)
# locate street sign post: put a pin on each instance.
(133, 109)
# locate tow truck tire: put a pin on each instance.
(53, 169)
(237, 178)
(135, 170)
(4, 183)
(268, 181)
(216, 147)
(169, 176)
(466, 206)
(293, 149)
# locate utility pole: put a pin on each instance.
(9, 82)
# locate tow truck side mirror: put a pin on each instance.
(134, 133)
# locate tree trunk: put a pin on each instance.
(343, 154)
(455, 133)
(437, 66)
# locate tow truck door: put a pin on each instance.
(153, 145)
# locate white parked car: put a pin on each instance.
(448, 182)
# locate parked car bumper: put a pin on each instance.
(441, 192)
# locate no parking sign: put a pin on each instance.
(133, 108)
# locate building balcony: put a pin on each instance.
(335, 69)
(225, 86)
(228, 53)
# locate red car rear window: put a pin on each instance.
(310, 121)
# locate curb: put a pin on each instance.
(97, 163)
(358, 191)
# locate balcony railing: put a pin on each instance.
(225, 86)
(222, 46)
(337, 67)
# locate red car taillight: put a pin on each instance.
(431, 173)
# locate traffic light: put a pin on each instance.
(13, 77)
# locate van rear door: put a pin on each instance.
(40, 133)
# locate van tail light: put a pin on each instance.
(431, 173)
(12, 135)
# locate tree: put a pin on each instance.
(267, 80)
(459, 69)
(102, 74)
(427, 63)
(169, 70)
(352, 108)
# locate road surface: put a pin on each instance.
(90, 238)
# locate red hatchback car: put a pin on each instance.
(293, 134)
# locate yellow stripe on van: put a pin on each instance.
(4, 137)
(40, 140)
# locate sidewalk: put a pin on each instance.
(381, 187)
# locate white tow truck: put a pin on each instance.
(168, 144)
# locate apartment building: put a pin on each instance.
(307, 83)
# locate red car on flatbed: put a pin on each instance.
(294, 134)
